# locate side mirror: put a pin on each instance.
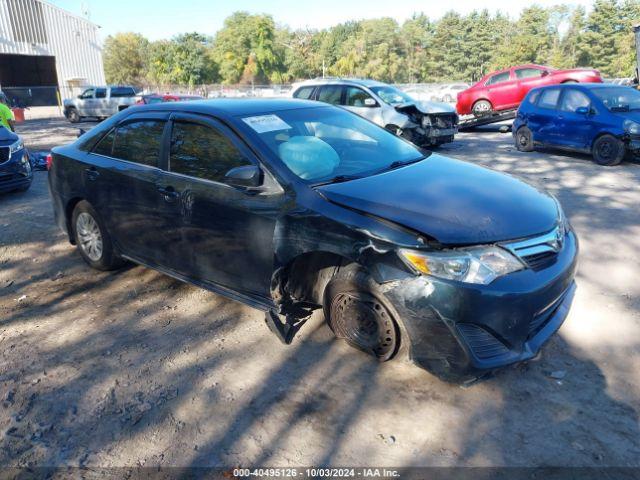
(247, 176)
(583, 110)
(370, 102)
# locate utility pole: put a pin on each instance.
(636, 32)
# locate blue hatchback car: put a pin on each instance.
(595, 118)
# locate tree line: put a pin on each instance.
(254, 49)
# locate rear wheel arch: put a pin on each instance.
(68, 214)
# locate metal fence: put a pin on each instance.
(26, 97)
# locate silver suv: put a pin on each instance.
(101, 102)
(422, 123)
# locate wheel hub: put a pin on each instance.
(365, 322)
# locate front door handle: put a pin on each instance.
(92, 173)
(168, 193)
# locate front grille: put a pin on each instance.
(443, 121)
(540, 261)
(4, 154)
(539, 252)
(482, 343)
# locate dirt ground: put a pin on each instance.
(134, 368)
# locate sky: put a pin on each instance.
(164, 19)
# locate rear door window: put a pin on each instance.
(330, 94)
(304, 93)
(139, 142)
(201, 151)
(101, 93)
(549, 98)
(122, 92)
(499, 78)
(523, 73)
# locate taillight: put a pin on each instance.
(49, 160)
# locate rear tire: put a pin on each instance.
(357, 311)
(608, 150)
(481, 108)
(524, 140)
(92, 238)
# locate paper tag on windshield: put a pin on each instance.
(266, 123)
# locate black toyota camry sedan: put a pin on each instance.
(290, 206)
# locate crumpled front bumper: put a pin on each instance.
(458, 331)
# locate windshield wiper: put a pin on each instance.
(398, 164)
(621, 108)
(336, 179)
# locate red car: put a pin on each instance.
(505, 89)
(166, 97)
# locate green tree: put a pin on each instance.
(529, 40)
(248, 38)
(125, 58)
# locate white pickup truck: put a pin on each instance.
(99, 102)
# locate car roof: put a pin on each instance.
(359, 82)
(232, 107)
(579, 86)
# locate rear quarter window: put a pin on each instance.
(303, 93)
(122, 92)
(532, 98)
(549, 98)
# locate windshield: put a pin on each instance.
(328, 143)
(392, 95)
(618, 99)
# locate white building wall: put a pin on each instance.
(71, 39)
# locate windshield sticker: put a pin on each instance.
(266, 123)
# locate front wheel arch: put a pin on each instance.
(355, 280)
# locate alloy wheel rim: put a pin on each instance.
(89, 236)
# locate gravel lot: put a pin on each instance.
(134, 368)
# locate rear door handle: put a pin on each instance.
(168, 193)
(92, 173)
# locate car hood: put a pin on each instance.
(7, 137)
(454, 202)
(426, 107)
(633, 115)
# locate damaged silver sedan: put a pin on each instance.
(425, 124)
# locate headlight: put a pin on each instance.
(631, 127)
(16, 147)
(479, 265)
